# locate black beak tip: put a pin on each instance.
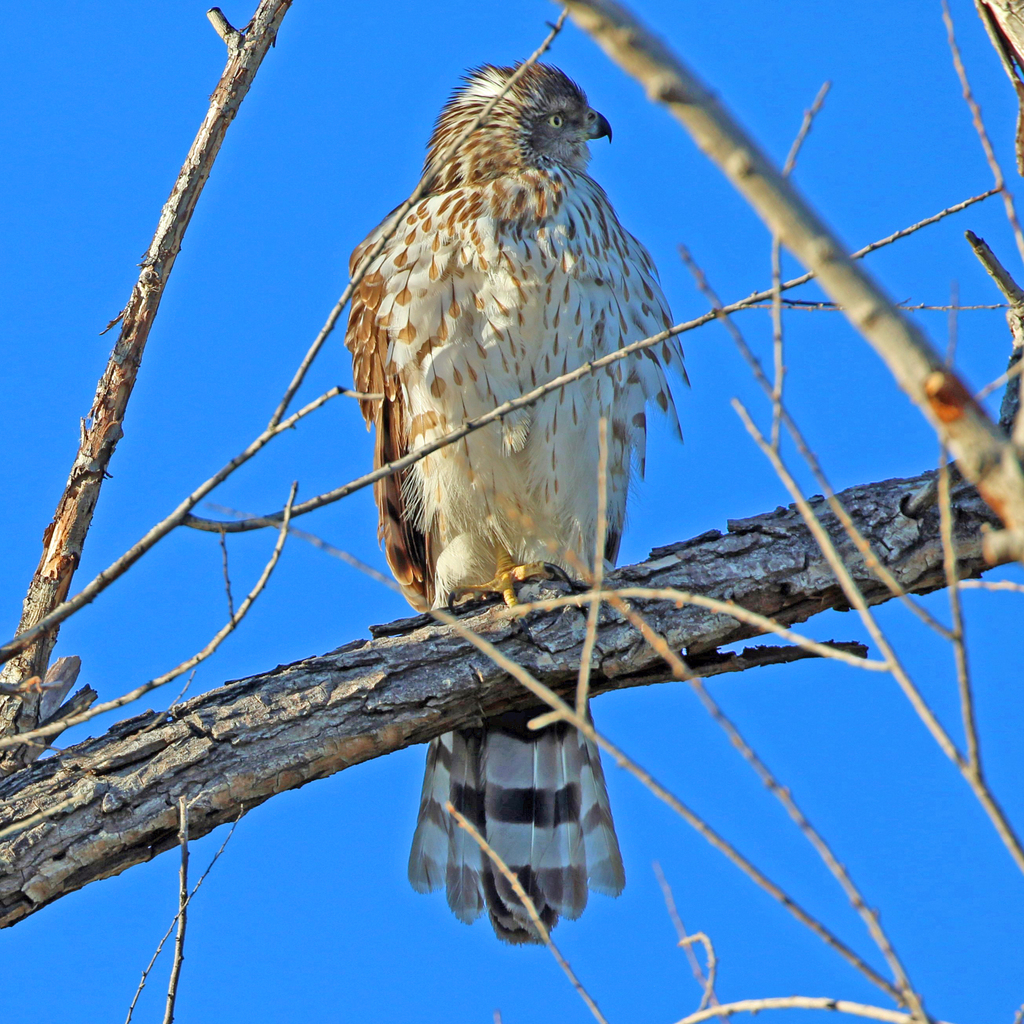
(602, 129)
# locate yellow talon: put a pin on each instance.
(505, 578)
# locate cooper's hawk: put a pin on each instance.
(511, 271)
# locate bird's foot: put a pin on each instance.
(505, 580)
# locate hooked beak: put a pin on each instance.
(601, 128)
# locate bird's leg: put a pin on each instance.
(506, 576)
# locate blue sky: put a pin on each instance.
(308, 915)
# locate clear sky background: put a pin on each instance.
(308, 916)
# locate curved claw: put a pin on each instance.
(558, 573)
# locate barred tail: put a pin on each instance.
(540, 800)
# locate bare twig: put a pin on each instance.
(101, 430)
(680, 597)
(982, 452)
(707, 984)
(231, 36)
(531, 909)
(1004, 378)
(709, 952)
(597, 574)
(979, 127)
(776, 261)
(805, 128)
(963, 676)
(179, 939)
(992, 585)
(174, 920)
(1010, 420)
(800, 1003)
(53, 728)
(856, 599)
(227, 578)
(813, 306)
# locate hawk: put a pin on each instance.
(510, 271)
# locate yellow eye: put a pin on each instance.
(555, 120)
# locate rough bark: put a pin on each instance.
(111, 802)
(101, 430)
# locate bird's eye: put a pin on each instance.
(555, 120)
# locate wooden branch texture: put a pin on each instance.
(112, 802)
(101, 430)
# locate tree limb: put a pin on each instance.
(101, 430)
(242, 743)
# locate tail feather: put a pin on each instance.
(429, 855)
(540, 800)
(465, 858)
(604, 861)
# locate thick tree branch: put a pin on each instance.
(101, 430)
(236, 746)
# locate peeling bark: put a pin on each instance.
(112, 801)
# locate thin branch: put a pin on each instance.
(101, 430)
(800, 1003)
(55, 727)
(1010, 419)
(227, 578)
(805, 128)
(993, 585)
(231, 36)
(776, 262)
(871, 559)
(963, 675)
(174, 920)
(597, 574)
(1000, 381)
(179, 939)
(982, 451)
(812, 306)
(707, 984)
(762, 623)
(975, 781)
(709, 952)
(531, 908)
(979, 127)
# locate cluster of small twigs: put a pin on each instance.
(640, 55)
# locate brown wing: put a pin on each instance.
(408, 551)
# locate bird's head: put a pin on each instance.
(542, 121)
